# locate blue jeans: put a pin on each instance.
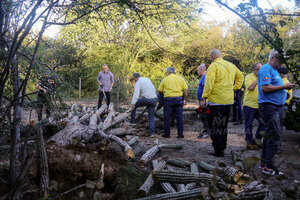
(237, 108)
(271, 116)
(217, 126)
(173, 104)
(150, 103)
(250, 115)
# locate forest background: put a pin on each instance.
(148, 44)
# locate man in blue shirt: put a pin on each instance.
(271, 98)
(201, 72)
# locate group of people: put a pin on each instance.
(265, 95)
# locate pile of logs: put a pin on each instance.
(179, 184)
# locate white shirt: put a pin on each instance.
(145, 88)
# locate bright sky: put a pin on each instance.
(211, 12)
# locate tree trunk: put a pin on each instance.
(43, 164)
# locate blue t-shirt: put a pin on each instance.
(200, 88)
(267, 75)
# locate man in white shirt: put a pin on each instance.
(144, 88)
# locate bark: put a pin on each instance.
(253, 194)
(101, 110)
(43, 164)
(148, 156)
(207, 167)
(178, 162)
(187, 177)
(133, 140)
(194, 170)
(121, 131)
(109, 118)
(145, 188)
(166, 186)
(128, 150)
(179, 187)
(119, 118)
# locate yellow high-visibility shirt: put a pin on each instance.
(220, 77)
(250, 97)
(288, 101)
(172, 86)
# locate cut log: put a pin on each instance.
(139, 148)
(194, 170)
(207, 167)
(261, 194)
(110, 116)
(119, 118)
(170, 146)
(166, 186)
(187, 177)
(178, 162)
(71, 131)
(148, 156)
(85, 117)
(145, 188)
(179, 187)
(133, 140)
(238, 162)
(101, 110)
(127, 148)
(120, 131)
(191, 194)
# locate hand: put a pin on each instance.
(289, 86)
(203, 103)
(184, 102)
(100, 83)
(110, 89)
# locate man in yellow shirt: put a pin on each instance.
(251, 107)
(222, 77)
(175, 91)
(283, 74)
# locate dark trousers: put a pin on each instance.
(101, 95)
(43, 100)
(173, 105)
(271, 116)
(150, 103)
(203, 117)
(250, 115)
(237, 108)
(217, 124)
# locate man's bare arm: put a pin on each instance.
(253, 85)
(274, 88)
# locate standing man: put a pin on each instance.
(45, 88)
(222, 77)
(251, 108)
(271, 97)
(144, 88)
(105, 80)
(283, 74)
(175, 91)
(201, 72)
(236, 107)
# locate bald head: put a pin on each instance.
(201, 69)
(214, 54)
